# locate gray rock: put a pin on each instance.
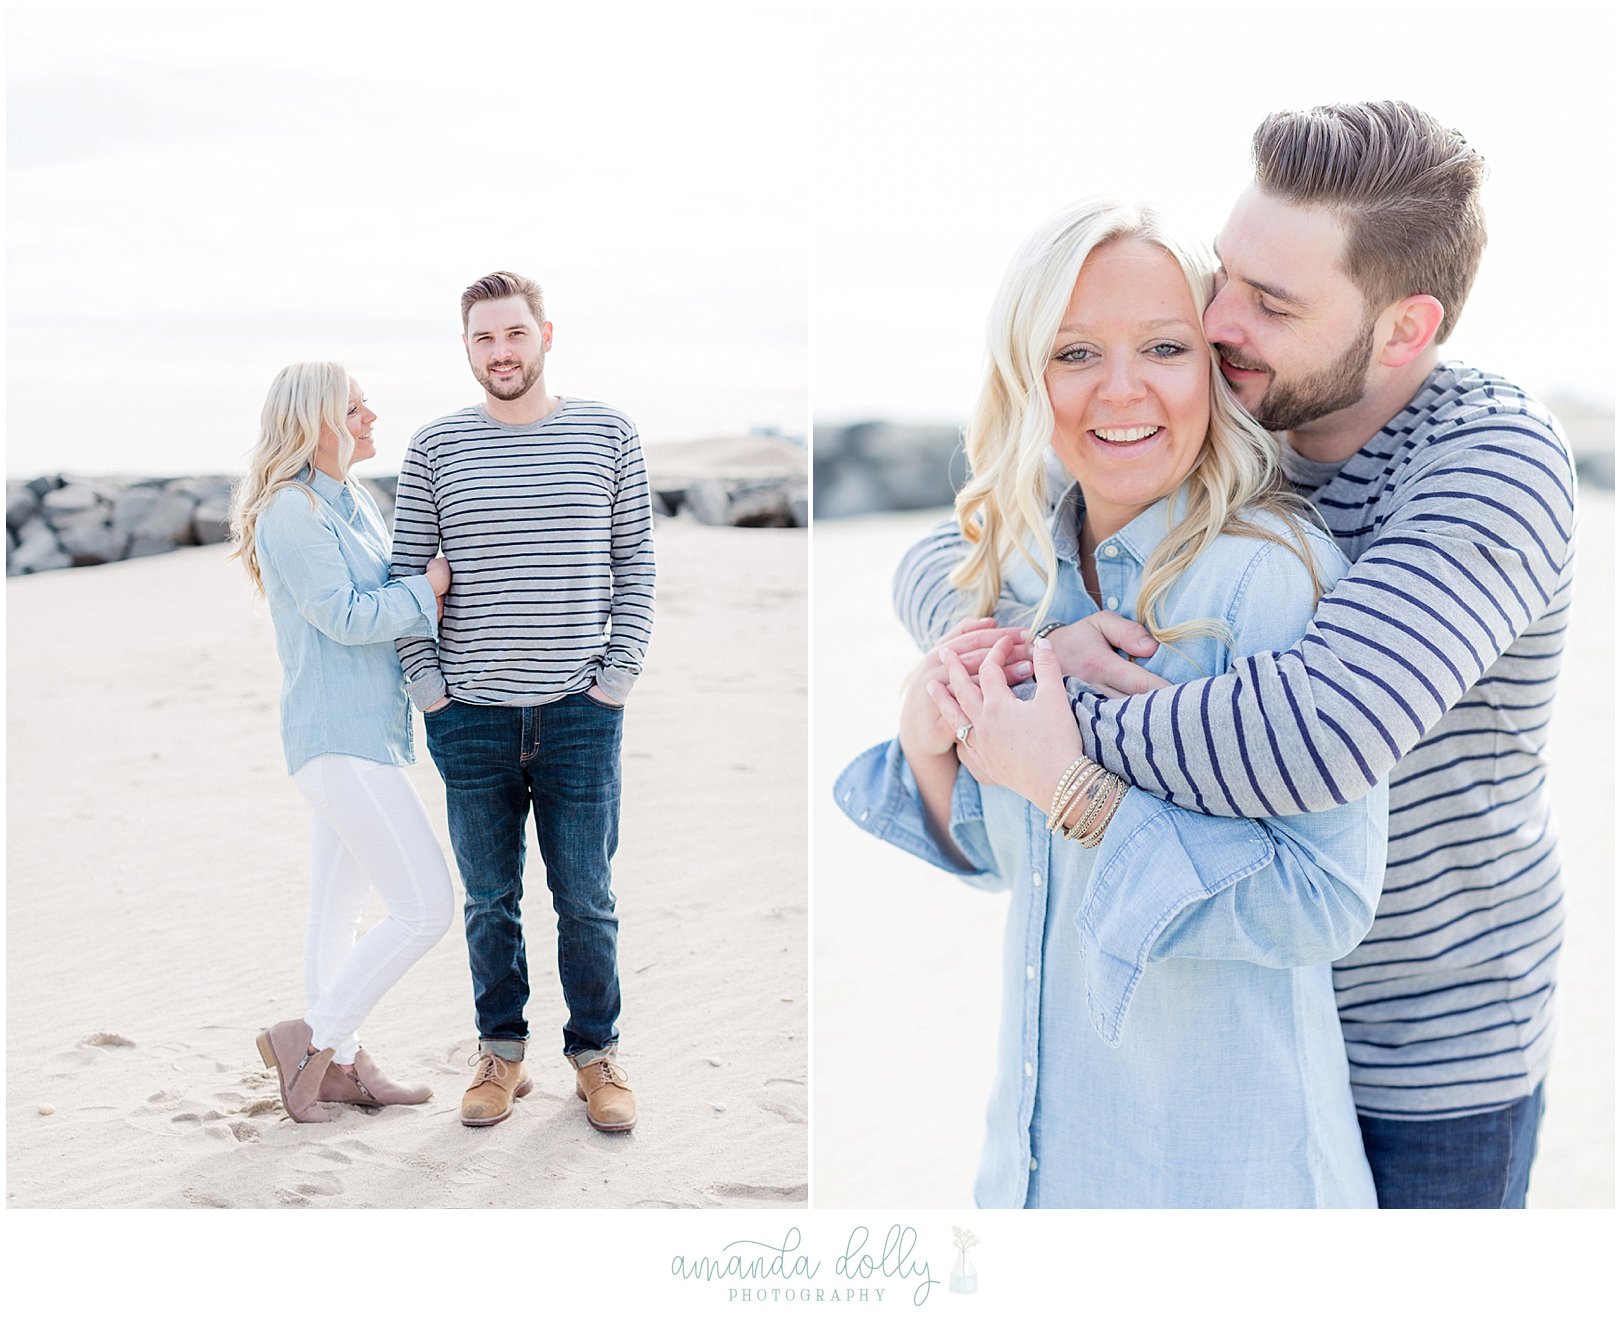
(211, 523)
(88, 537)
(382, 490)
(673, 497)
(661, 506)
(154, 513)
(68, 501)
(1596, 467)
(37, 550)
(799, 507)
(201, 487)
(143, 546)
(874, 466)
(21, 503)
(41, 485)
(722, 503)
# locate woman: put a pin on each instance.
(315, 545)
(1226, 1082)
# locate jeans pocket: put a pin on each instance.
(601, 705)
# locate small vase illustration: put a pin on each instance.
(964, 1277)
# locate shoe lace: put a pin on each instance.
(490, 1067)
(611, 1071)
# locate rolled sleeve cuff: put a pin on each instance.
(616, 681)
(427, 601)
(879, 794)
(1145, 876)
(427, 690)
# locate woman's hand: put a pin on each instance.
(438, 574)
(921, 729)
(1022, 745)
(928, 743)
(1090, 650)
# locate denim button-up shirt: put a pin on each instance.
(1168, 1033)
(336, 614)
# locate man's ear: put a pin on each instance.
(1413, 323)
(546, 336)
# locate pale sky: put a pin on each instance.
(199, 195)
(957, 127)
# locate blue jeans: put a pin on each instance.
(1478, 1162)
(562, 759)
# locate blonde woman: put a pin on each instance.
(1168, 1032)
(314, 543)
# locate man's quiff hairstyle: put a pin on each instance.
(504, 284)
(1406, 189)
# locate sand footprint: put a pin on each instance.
(106, 1040)
(89, 1051)
(316, 1183)
(787, 1111)
(756, 1191)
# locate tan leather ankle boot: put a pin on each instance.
(368, 1087)
(285, 1046)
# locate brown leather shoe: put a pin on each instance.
(368, 1087)
(285, 1046)
(496, 1083)
(609, 1104)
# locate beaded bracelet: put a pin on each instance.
(1095, 834)
(1095, 800)
(1077, 775)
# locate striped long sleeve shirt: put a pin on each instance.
(1434, 660)
(548, 528)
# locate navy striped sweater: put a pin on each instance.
(1434, 660)
(548, 528)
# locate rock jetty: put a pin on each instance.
(67, 521)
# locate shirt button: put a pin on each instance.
(1111, 551)
(1113, 602)
(1029, 973)
(1029, 1069)
(1035, 878)
(1032, 1164)
(864, 814)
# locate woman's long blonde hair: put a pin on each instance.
(1004, 507)
(303, 398)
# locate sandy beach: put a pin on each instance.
(906, 961)
(156, 899)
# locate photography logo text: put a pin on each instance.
(764, 1272)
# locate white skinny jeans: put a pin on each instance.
(370, 830)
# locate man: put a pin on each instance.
(1434, 660)
(541, 505)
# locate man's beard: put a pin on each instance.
(1290, 404)
(506, 393)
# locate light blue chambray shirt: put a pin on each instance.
(336, 613)
(1168, 1032)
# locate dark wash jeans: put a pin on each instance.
(1479, 1162)
(562, 759)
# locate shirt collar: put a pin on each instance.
(1138, 539)
(332, 491)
